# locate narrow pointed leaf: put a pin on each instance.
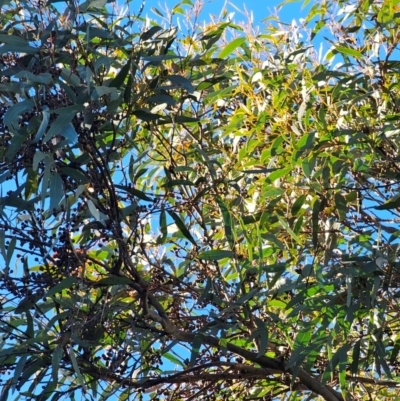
(227, 50)
(182, 227)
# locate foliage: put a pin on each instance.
(202, 213)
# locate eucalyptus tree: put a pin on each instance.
(199, 212)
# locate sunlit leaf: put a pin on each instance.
(392, 203)
(349, 51)
(234, 44)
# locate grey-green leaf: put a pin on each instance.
(181, 82)
(56, 190)
(55, 362)
(12, 115)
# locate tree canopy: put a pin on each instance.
(199, 211)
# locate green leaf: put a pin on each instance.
(173, 359)
(395, 351)
(18, 370)
(163, 227)
(342, 355)
(121, 76)
(29, 323)
(57, 318)
(18, 203)
(306, 142)
(103, 63)
(114, 280)
(206, 292)
(100, 91)
(250, 219)
(37, 158)
(159, 99)
(47, 391)
(145, 115)
(349, 51)
(128, 90)
(228, 222)
(308, 165)
(341, 206)
(196, 345)
(76, 368)
(210, 82)
(95, 212)
(34, 366)
(392, 203)
(245, 297)
(58, 126)
(216, 255)
(27, 76)
(2, 242)
(56, 190)
(43, 125)
(298, 204)
(173, 183)
(69, 133)
(15, 44)
(181, 82)
(182, 227)
(150, 32)
(289, 230)
(272, 239)
(157, 12)
(275, 175)
(354, 367)
(11, 117)
(228, 49)
(69, 77)
(75, 174)
(55, 362)
(381, 353)
(315, 222)
(297, 359)
(184, 119)
(6, 385)
(162, 58)
(262, 333)
(135, 192)
(93, 387)
(10, 250)
(386, 12)
(68, 282)
(91, 5)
